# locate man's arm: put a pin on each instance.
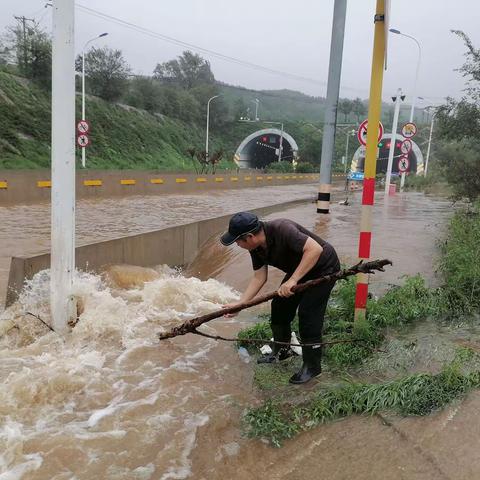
(311, 253)
(258, 280)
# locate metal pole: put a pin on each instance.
(374, 110)
(280, 146)
(346, 152)
(83, 100)
(429, 143)
(208, 123)
(333, 89)
(393, 140)
(63, 165)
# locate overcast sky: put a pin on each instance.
(292, 37)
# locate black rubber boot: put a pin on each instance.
(312, 363)
(281, 333)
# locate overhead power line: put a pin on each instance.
(197, 48)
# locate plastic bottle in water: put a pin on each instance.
(244, 355)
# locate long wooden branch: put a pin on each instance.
(189, 326)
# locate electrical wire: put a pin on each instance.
(197, 48)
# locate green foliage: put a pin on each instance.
(460, 262)
(188, 70)
(32, 52)
(418, 394)
(106, 73)
(305, 167)
(280, 167)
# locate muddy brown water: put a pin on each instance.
(110, 402)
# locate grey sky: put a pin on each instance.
(288, 36)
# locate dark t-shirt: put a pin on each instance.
(285, 242)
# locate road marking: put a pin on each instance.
(259, 178)
(157, 180)
(92, 183)
(269, 178)
(247, 179)
(128, 182)
(219, 179)
(181, 180)
(202, 180)
(234, 179)
(44, 184)
(3, 185)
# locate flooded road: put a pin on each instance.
(110, 402)
(26, 228)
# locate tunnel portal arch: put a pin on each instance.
(415, 156)
(260, 148)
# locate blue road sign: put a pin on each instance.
(356, 176)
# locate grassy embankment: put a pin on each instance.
(122, 137)
(288, 410)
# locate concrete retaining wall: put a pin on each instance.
(29, 186)
(173, 246)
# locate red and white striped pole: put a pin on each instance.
(374, 111)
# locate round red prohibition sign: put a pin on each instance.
(409, 130)
(403, 164)
(83, 141)
(83, 126)
(362, 132)
(406, 146)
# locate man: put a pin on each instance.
(303, 256)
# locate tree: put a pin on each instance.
(107, 72)
(458, 129)
(239, 109)
(145, 93)
(188, 71)
(31, 49)
(358, 108)
(345, 106)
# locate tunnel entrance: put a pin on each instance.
(415, 157)
(262, 148)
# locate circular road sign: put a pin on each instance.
(409, 130)
(83, 140)
(403, 164)
(362, 132)
(83, 126)
(406, 146)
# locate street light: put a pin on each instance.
(208, 122)
(83, 84)
(350, 133)
(398, 32)
(256, 102)
(429, 143)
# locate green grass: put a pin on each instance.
(418, 394)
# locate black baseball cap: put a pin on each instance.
(240, 224)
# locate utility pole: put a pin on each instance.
(393, 139)
(429, 144)
(62, 264)
(333, 89)
(368, 196)
(24, 21)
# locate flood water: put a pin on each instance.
(110, 401)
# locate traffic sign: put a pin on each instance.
(409, 130)
(83, 140)
(356, 175)
(362, 132)
(403, 164)
(83, 126)
(406, 146)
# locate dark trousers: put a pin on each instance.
(311, 305)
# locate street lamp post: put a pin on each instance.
(412, 110)
(83, 84)
(429, 143)
(398, 32)
(208, 124)
(350, 133)
(256, 102)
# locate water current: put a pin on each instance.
(109, 401)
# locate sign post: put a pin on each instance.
(374, 110)
(409, 130)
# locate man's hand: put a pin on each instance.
(231, 305)
(285, 289)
